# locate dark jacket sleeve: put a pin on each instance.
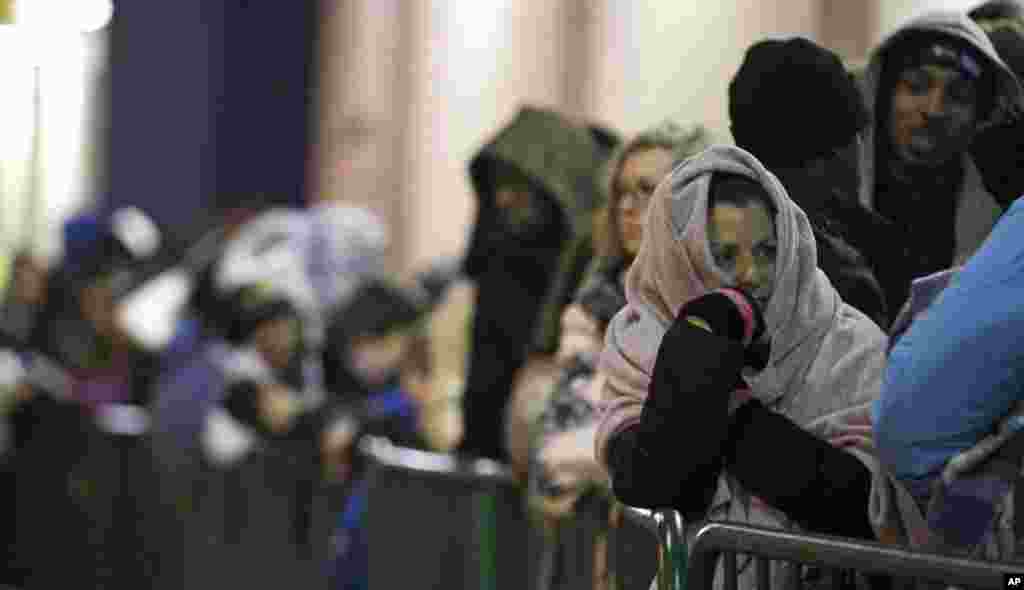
(998, 152)
(673, 456)
(821, 487)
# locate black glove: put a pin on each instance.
(812, 480)
(727, 312)
(687, 407)
(702, 365)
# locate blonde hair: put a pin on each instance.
(681, 143)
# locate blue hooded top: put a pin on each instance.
(960, 368)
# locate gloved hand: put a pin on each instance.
(710, 364)
(687, 406)
(727, 312)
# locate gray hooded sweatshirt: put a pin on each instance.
(977, 210)
(826, 360)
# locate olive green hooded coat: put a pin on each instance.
(514, 274)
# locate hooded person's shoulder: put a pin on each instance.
(853, 323)
(854, 346)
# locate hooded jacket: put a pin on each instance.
(957, 370)
(560, 158)
(976, 208)
(513, 275)
(948, 421)
(826, 358)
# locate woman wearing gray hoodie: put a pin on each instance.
(702, 396)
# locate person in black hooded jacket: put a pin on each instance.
(536, 185)
(817, 160)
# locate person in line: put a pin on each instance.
(734, 350)
(24, 297)
(950, 402)
(260, 399)
(931, 86)
(535, 185)
(377, 371)
(817, 162)
(629, 179)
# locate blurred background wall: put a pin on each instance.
(211, 107)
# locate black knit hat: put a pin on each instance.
(792, 101)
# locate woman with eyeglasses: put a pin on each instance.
(555, 439)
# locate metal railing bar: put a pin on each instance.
(729, 570)
(764, 574)
(672, 549)
(668, 528)
(834, 553)
(474, 471)
(795, 579)
(641, 516)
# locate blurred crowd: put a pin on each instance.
(815, 328)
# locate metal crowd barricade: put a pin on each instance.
(765, 545)
(90, 507)
(435, 521)
(260, 524)
(666, 526)
(599, 546)
(721, 541)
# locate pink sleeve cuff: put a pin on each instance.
(743, 305)
(738, 398)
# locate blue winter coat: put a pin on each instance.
(959, 368)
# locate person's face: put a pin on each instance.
(516, 201)
(375, 358)
(933, 115)
(30, 282)
(278, 340)
(640, 174)
(744, 247)
(98, 307)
